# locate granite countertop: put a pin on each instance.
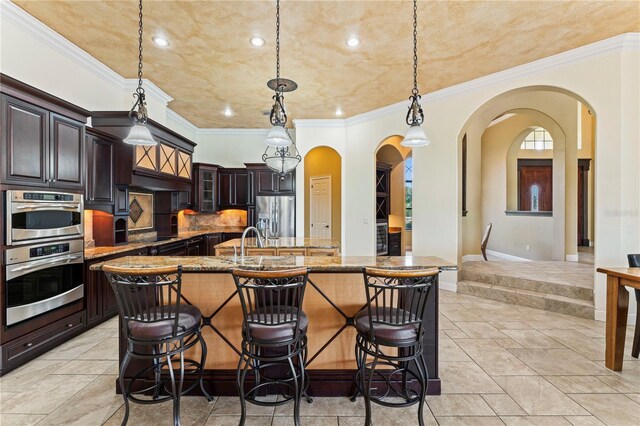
(284, 242)
(315, 263)
(98, 252)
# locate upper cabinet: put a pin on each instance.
(233, 188)
(163, 167)
(205, 187)
(42, 138)
(99, 192)
(265, 182)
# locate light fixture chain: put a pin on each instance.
(415, 47)
(140, 48)
(278, 40)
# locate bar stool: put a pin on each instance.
(274, 342)
(634, 262)
(158, 328)
(389, 335)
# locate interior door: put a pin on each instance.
(535, 180)
(320, 207)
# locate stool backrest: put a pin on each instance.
(634, 260)
(147, 295)
(397, 298)
(271, 298)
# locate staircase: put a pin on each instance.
(563, 287)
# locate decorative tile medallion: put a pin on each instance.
(135, 210)
(140, 211)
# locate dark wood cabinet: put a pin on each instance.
(233, 188)
(196, 246)
(25, 147)
(251, 216)
(231, 236)
(40, 147)
(263, 181)
(205, 187)
(395, 244)
(174, 248)
(66, 152)
(211, 241)
(121, 202)
(383, 183)
(99, 192)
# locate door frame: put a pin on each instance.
(311, 179)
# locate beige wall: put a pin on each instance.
(324, 161)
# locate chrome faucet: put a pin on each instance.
(244, 234)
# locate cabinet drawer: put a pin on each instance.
(292, 252)
(41, 340)
(224, 252)
(322, 252)
(260, 251)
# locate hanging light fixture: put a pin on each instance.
(415, 116)
(281, 154)
(139, 134)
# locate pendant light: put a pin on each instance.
(139, 134)
(281, 154)
(415, 117)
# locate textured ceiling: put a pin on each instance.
(211, 65)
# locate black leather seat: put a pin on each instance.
(157, 329)
(397, 334)
(278, 326)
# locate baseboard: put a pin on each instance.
(602, 316)
(507, 256)
(448, 286)
(571, 258)
(472, 257)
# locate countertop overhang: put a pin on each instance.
(329, 264)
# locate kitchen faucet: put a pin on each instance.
(244, 234)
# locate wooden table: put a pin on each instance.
(617, 307)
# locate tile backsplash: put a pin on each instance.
(196, 221)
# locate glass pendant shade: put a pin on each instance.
(282, 160)
(415, 137)
(140, 135)
(278, 137)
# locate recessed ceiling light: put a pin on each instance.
(353, 41)
(339, 112)
(256, 41)
(227, 112)
(160, 41)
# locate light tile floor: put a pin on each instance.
(499, 364)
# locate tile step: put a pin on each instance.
(565, 290)
(533, 299)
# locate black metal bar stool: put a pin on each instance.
(390, 334)
(274, 342)
(634, 262)
(158, 328)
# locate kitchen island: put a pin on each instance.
(335, 293)
(283, 246)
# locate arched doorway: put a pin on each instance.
(323, 193)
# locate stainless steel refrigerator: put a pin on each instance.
(277, 215)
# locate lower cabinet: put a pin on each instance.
(278, 251)
(395, 244)
(211, 241)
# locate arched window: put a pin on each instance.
(538, 139)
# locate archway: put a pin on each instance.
(324, 164)
(393, 205)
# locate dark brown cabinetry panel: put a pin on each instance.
(233, 188)
(66, 152)
(383, 195)
(269, 183)
(25, 145)
(211, 241)
(205, 187)
(100, 182)
(395, 242)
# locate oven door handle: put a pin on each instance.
(47, 206)
(42, 264)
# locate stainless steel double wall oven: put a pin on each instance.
(44, 257)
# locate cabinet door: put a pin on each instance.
(67, 150)
(206, 187)
(25, 148)
(93, 296)
(212, 241)
(175, 202)
(267, 182)
(99, 171)
(109, 301)
(241, 188)
(286, 185)
(121, 200)
(225, 194)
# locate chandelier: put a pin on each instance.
(415, 116)
(281, 154)
(139, 134)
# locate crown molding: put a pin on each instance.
(150, 88)
(227, 132)
(175, 117)
(622, 41)
(323, 123)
